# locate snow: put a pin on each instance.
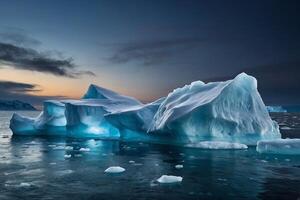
(114, 169)
(279, 146)
(229, 111)
(217, 145)
(169, 179)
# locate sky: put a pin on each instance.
(146, 48)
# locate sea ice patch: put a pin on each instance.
(114, 170)
(169, 179)
(217, 145)
(178, 166)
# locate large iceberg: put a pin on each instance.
(227, 111)
(230, 111)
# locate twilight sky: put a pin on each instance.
(146, 48)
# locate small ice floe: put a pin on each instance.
(169, 179)
(52, 145)
(84, 149)
(77, 155)
(137, 164)
(52, 163)
(69, 148)
(114, 170)
(217, 145)
(32, 142)
(287, 160)
(178, 166)
(285, 128)
(156, 164)
(59, 147)
(68, 156)
(64, 172)
(279, 146)
(24, 184)
(131, 161)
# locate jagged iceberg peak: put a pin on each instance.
(230, 110)
(97, 92)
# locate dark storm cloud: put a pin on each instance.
(16, 87)
(30, 59)
(152, 52)
(10, 90)
(278, 83)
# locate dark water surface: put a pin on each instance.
(36, 168)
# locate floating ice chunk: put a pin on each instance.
(25, 184)
(285, 128)
(279, 146)
(114, 169)
(131, 161)
(84, 149)
(68, 156)
(59, 147)
(69, 148)
(178, 166)
(169, 179)
(217, 145)
(64, 172)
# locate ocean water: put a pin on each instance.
(55, 168)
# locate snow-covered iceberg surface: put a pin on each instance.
(231, 111)
(279, 146)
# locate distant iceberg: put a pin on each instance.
(279, 146)
(230, 111)
(276, 109)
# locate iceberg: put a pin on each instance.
(276, 109)
(279, 146)
(223, 111)
(230, 111)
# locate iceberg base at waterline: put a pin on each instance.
(229, 111)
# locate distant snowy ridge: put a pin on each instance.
(230, 111)
(15, 105)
